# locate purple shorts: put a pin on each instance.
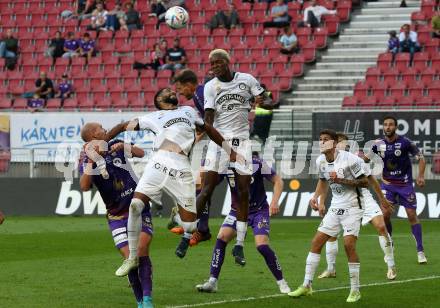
(118, 227)
(401, 194)
(259, 221)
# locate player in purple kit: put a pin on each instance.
(110, 172)
(258, 219)
(395, 151)
(188, 86)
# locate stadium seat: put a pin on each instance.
(417, 88)
(391, 75)
(384, 60)
(5, 103)
(405, 102)
(398, 89)
(373, 74)
(421, 60)
(350, 102)
(20, 103)
(86, 104)
(386, 102)
(402, 61)
(423, 102)
(361, 89)
(104, 103)
(368, 102)
(429, 75)
(121, 103)
(53, 103)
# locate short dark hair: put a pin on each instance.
(186, 76)
(340, 135)
(86, 34)
(388, 117)
(330, 132)
(156, 96)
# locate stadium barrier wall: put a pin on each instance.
(46, 197)
(423, 127)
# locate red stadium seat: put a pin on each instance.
(398, 89)
(361, 89)
(70, 103)
(5, 103)
(121, 103)
(373, 74)
(384, 60)
(402, 61)
(367, 102)
(104, 103)
(86, 104)
(53, 103)
(410, 74)
(350, 102)
(417, 88)
(405, 102)
(423, 102)
(386, 102)
(421, 60)
(20, 103)
(429, 75)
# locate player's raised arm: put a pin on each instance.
(278, 185)
(132, 125)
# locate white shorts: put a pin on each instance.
(169, 172)
(347, 219)
(217, 159)
(372, 210)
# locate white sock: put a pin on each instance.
(282, 281)
(134, 226)
(388, 250)
(312, 263)
(241, 232)
(331, 251)
(177, 219)
(188, 228)
(212, 280)
(354, 268)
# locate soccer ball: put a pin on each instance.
(176, 17)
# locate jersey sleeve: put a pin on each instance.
(195, 117)
(146, 122)
(367, 169)
(209, 96)
(413, 148)
(355, 164)
(320, 171)
(255, 87)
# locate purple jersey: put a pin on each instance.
(71, 45)
(397, 167)
(64, 87)
(86, 46)
(118, 189)
(199, 100)
(257, 192)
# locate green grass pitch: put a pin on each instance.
(70, 262)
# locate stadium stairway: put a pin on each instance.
(345, 62)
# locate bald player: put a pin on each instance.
(108, 170)
(227, 105)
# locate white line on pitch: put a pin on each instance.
(322, 290)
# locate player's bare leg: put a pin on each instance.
(209, 183)
(386, 244)
(225, 235)
(133, 230)
(416, 229)
(312, 263)
(353, 267)
(243, 182)
(189, 224)
(331, 251)
(262, 245)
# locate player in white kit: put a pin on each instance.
(168, 170)
(343, 172)
(372, 214)
(227, 106)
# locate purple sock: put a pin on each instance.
(389, 227)
(204, 219)
(218, 255)
(135, 283)
(417, 232)
(145, 275)
(271, 260)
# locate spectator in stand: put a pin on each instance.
(71, 46)
(8, 45)
(44, 86)
(393, 43)
(225, 19)
(312, 15)
(99, 17)
(116, 19)
(87, 47)
(36, 103)
(408, 41)
(157, 56)
(175, 57)
(289, 42)
(435, 23)
(86, 6)
(56, 46)
(64, 88)
(279, 15)
(133, 20)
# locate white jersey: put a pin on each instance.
(347, 166)
(231, 103)
(177, 125)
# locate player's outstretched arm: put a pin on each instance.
(122, 127)
(361, 181)
(86, 180)
(134, 150)
(384, 203)
(278, 185)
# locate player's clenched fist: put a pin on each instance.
(314, 203)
